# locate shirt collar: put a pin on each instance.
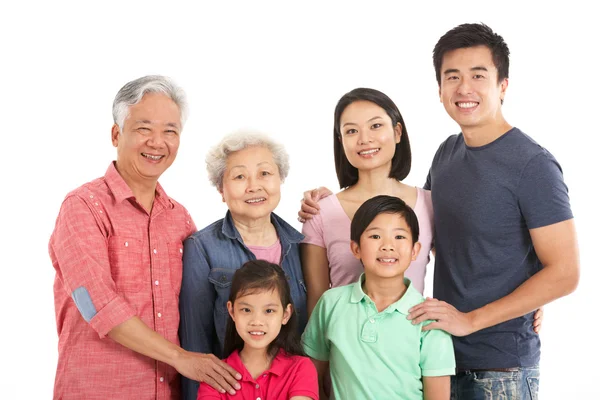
(287, 234)
(279, 365)
(121, 191)
(410, 298)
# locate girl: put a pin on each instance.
(261, 339)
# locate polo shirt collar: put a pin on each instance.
(121, 191)
(410, 298)
(278, 367)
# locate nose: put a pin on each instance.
(387, 245)
(253, 185)
(156, 139)
(364, 137)
(465, 87)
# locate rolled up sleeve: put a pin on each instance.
(79, 250)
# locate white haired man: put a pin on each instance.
(117, 250)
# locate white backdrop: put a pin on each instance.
(280, 69)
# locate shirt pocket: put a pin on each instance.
(126, 264)
(176, 264)
(221, 279)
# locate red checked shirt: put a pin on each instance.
(114, 261)
(287, 377)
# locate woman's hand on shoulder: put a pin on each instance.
(309, 203)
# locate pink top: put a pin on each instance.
(331, 229)
(271, 253)
(287, 377)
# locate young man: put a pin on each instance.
(504, 232)
(117, 249)
(362, 331)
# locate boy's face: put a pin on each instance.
(386, 247)
(469, 87)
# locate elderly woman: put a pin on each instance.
(247, 169)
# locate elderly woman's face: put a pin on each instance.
(251, 184)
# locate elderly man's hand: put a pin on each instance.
(309, 204)
(208, 369)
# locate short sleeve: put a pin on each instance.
(312, 230)
(208, 393)
(543, 194)
(314, 338)
(427, 185)
(305, 381)
(437, 353)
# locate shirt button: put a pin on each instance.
(159, 315)
(257, 385)
(181, 250)
(156, 283)
(126, 244)
(258, 398)
(372, 320)
(100, 211)
(91, 196)
(154, 251)
(162, 379)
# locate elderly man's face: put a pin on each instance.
(148, 144)
(251, 184)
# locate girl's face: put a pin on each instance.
(258, 317)
(368, 136)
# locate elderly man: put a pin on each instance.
(117, 250)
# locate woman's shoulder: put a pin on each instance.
(208, 230)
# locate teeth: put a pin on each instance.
(388, 260)
(467, 105)
(257, 333)
(368, 152)
(255, 200)
(155, 158)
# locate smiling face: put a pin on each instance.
(149, 141)
(470, 90)
(258, 317)
(251, 183)
(386, 247)
(368, 136)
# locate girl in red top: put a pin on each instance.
(261, 339)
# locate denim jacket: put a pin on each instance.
(210, 258)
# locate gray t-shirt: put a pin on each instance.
(485, 200)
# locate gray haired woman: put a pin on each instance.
(247, 169)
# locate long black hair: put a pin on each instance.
(260, 276)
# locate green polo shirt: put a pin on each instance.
(371, 354)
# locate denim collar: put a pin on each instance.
(287, 234)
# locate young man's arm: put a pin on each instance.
(436, 387)
(322, 368)
(557, 249)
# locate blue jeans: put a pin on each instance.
(517, 384)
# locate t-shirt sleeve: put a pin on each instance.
(312, 230)
(543, 194)
(314, 338)
(427, 185)
(437, 353)
(208, 393)
(305, 381)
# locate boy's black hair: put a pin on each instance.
(382, 204)
(258, 276)
(401, 162)
(471, 35)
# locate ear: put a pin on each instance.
(355, 248)
(416, 250)
(398, 132)
(221, 193)
(230, 310)
(287, 314)
(503, 87)
(114, 134)
(440, 93)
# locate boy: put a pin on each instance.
(361, 330)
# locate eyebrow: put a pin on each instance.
(455, 70)
(352, 123)
(243, 303)
(395, 229)
(243, 166)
